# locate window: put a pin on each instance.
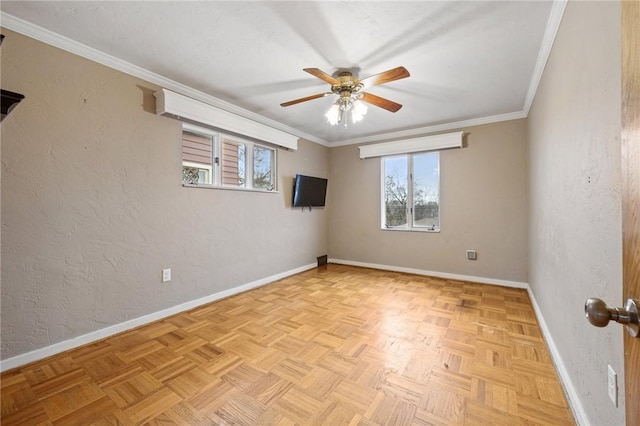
(263, 160)
(197, 158)
(234, 159)
(411, 192)
(220, 160)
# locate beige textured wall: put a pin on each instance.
(575, 218)
(93, 208)
(483, 191)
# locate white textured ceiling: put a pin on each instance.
(470, 61)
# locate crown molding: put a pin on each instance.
(553, 23)
(423, 131)
(57, 40)
(54, 39)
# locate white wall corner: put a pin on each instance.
(553, 24)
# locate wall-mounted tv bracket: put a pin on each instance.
(9, 100)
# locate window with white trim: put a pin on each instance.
(216, 159)
(411, 192)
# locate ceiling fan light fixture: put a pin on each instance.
(358, 110)
(351, 94)
(334, 114)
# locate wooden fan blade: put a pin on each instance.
(321, 75)
(385, 77)
(308, 98)
(381, 102)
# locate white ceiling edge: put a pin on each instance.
(57, 40)
(553, 24)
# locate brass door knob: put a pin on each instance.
(599, 314)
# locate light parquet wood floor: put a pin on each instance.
(337, 345)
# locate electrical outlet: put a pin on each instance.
(612, 385)
(472, 255)
(166, 275)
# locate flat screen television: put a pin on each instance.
(309, 191)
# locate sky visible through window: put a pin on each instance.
(425, 173)
(425, 176)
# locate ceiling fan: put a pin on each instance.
(352, 90)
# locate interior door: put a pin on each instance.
(631, 196)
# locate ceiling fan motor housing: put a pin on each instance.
(346, 85)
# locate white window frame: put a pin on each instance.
(410, 202)
(216, 168)
(208, 169)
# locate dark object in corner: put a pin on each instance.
(309, 191)
(322, 260)
(9, 101)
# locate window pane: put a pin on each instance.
(395, 191)
(194, 173)
(197, 158)
(233, 163)
(263, 168)
(426, 190)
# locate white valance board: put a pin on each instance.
(183, 108)
(407, 146)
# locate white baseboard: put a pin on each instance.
(569, 389)
(38, 354)
(445, 275)
(565, 379)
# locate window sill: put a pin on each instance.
(428, 231)
(229, 188)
